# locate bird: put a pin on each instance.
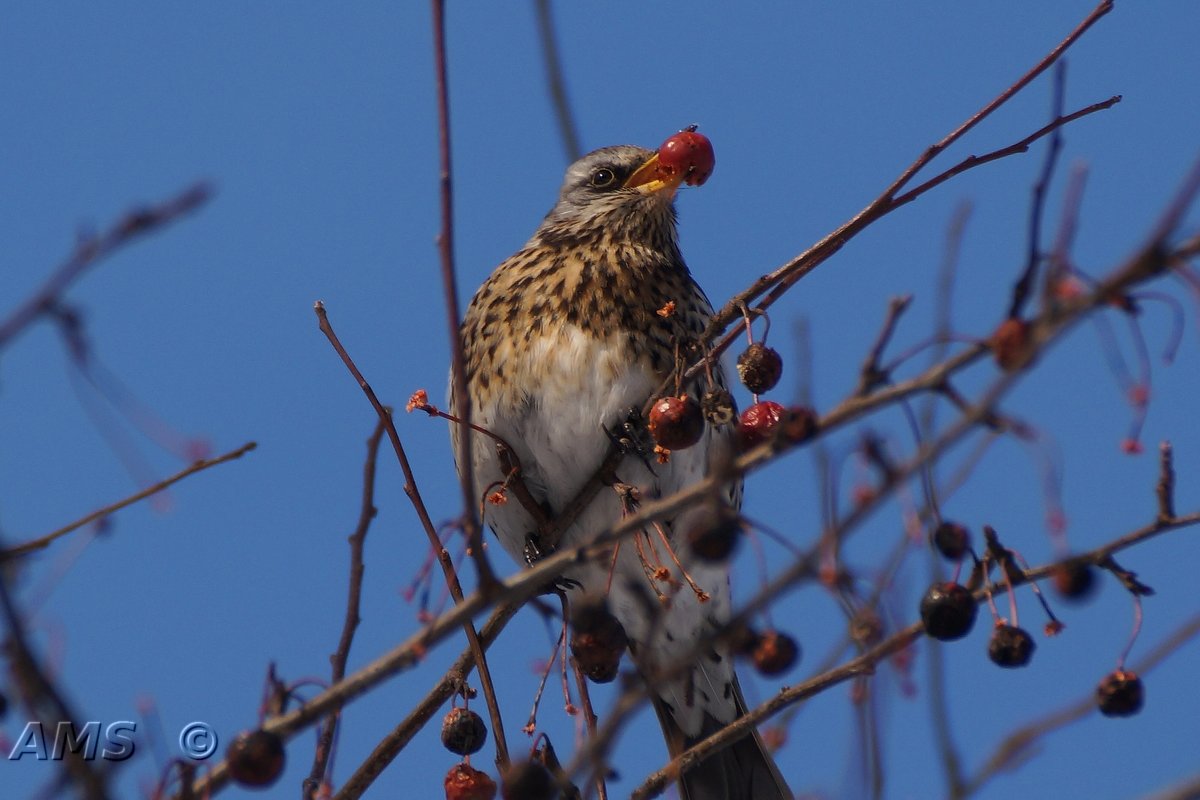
(563, 343)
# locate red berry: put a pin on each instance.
(464, 782)
(759, 368)
(1075, 581)
(597, 642)
(1010, 646)
(1120, 694)
(676, 422)
(255, 758)
(463, 732)
(775, 653)
(758, 422)
(948, 611)
(951, 539)
(689, 153)
(1010, 344)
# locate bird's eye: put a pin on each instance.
(603, 178)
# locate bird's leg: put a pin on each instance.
(632, 437)
(534, 553)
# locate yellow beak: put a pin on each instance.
(651, 178)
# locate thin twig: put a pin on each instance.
(886, 202)
(870, 375)
(1188, 789)
(866, 663)
(322, 757)
(1141, 266)
(92, 249)
(43, 541)
(414, 495)
(391, 745)
(1017, 744)
(472, 530)
(1164, 490)
(1024, 286)
(42, 698)
(552, 61)
(940, 712)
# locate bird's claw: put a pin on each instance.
(534, 552)
(632, 437)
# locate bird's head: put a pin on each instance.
(617, 188)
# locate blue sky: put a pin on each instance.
(316, 125)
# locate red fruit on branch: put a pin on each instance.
(758, 422)
(775, 653)
(676, 422)
(689, 153)
(597, 642)
(464, 782)
(255, 758)
(1074, 580)
(1011, 344)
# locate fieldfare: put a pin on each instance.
(566, 337)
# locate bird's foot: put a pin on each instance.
(534, 552)
(632, 437)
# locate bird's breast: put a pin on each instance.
(577, 384)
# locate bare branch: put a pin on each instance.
(322, 758)
(1017, 745)
(44, 541)
(91, 250)
(567, 129)
(414, 495)
(462, 397)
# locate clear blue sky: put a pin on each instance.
(316, 124)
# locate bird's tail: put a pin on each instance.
(742, 771)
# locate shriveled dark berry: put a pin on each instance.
(775, 652)
(718, 407)
(255, 758)
(463, 731)
(528, 780)
(676, 422)
(1075, 581)
(948, 611)
(714, 532)
(1010, 646)
(951, 539)
(758, 422)
(598, 642)
(759, 368)
(464, 782)
(1120, 694)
